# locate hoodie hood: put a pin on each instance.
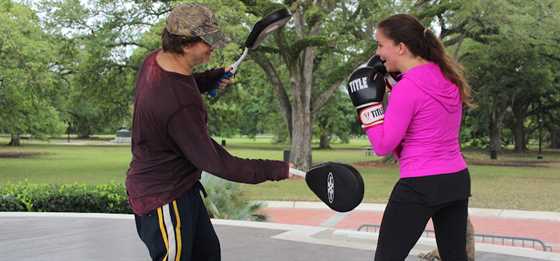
(430, 79)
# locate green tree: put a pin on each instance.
(327, 38)
(335, 120)
(27, 83)
(522, 36)
(95, 60)
(509, 91)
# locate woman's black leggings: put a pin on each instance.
(404, 222)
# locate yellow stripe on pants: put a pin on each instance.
(177, 231)
(163, 232)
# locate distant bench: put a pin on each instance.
(368, 151)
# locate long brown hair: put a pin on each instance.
(422, 42)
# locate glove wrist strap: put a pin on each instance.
(365, 105)
(372, 115)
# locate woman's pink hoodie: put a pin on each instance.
(422, 124)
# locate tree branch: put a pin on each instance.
(312, 41)
(283, 47)
(272, 74)
(119, 44)
(324, 97)
(454, 40)
(345, 70)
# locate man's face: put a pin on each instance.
(200, 52)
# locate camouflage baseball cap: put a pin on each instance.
(195, 20)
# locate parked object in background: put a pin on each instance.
(122, 136)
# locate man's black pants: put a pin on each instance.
(180, 230)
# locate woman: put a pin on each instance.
(421, 128)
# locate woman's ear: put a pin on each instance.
(402, 48)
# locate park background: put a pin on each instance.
(68, 69)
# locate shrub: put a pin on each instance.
(11, 203)
(225, 199)
(107, 198)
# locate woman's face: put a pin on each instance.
(388, 50)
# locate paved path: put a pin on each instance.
(544, 226)
(67, 236)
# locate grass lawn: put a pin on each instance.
(512, 187)
(66, 164)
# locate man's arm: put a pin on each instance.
(208, 80)
(188, 129)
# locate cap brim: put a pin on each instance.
(215, 39)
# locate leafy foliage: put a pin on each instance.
(70, 64)
(224, 200)
(27, 82)
(107, 198)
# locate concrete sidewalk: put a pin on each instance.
(77, 236)
(102, 237)
(544, 226)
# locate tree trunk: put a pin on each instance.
(15, 140)
(520, 109)
(495, 129)
(519, 137)
(471, 252)
(325, 141)
(301, 77)
(298, 112)
(301, 142)
(554, 138)
(301, 135)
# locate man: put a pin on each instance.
(171, 145)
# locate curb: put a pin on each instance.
(481, 212)
(480, 247)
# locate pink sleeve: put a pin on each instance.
(385, 137)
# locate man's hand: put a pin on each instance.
(226, 81)
(290, 175)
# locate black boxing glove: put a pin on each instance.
(366, 88)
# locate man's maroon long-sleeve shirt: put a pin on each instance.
(170, 141)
